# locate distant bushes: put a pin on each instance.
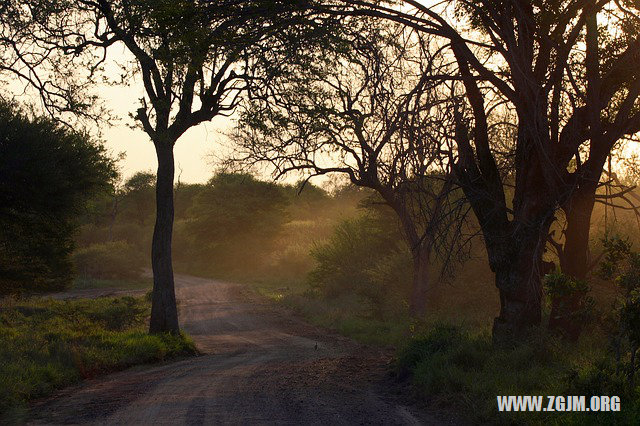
(232, 226)
(366, 257)
(46, 344)
(112, 260)
(235, 227)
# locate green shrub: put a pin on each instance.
(113, 260)
(560, 285)
(571, 305)
(343, 261)
(623, 322)
(365, 257)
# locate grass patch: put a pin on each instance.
(452, 367)
(349, 315)
(129, 284)
(47, 344)
(359, 318)
(459, 370)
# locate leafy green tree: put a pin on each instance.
(235, 220)
(194, 60)
(47, 175)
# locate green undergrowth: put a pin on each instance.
(354, 316)
(350, 316)
(47, 344)
(116, 284)
(451, 367)
(455, 367)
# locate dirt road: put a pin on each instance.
(260, 366)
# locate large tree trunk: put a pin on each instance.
(519, 266)
(164, 312)
(421, 262)
(575, 254)
(574, 261)
(518, 279)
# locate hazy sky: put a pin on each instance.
(192, 151)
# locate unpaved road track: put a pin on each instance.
(260, 366)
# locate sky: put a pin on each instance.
(194, 151)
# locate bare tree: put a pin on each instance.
(567, 102)
(370, 109)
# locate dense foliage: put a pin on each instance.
(47, 175)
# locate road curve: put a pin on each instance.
(259, 366)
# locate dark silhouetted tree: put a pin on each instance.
(194, 60)
(48, 173)
(369, 109)
(569, 106)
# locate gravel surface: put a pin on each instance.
(260, 365)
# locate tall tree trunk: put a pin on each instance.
(164, 312)
(421, 261)
(518, 279)
(575, 254)
(420, 252)
(579, 207)
(574, 261)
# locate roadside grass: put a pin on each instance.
(142, 283)
(47, 344)
(355, 317)
(451, 367)
(348, 315)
